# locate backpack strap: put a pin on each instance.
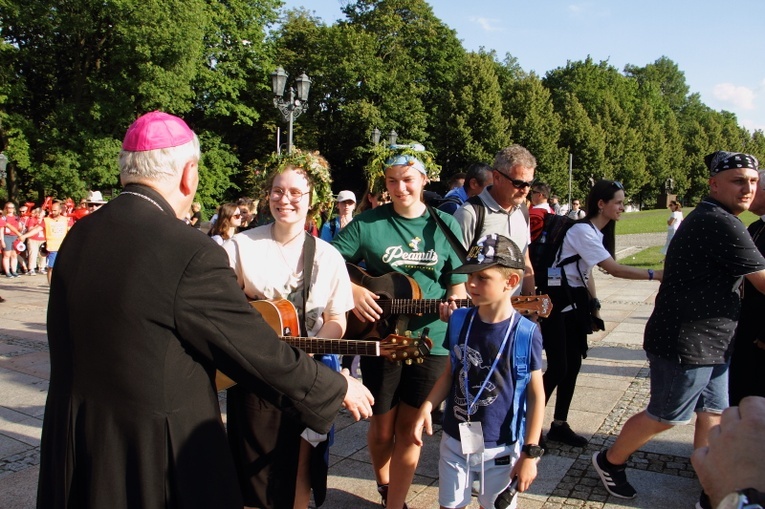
(480, 217)
(458, 327)
(525, 212)
(524, 333)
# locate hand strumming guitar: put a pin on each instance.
(365, 307)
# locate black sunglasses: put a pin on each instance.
(617, 185)
(517, 183)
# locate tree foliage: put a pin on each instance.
(75, 74)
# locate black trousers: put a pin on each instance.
(565, 343)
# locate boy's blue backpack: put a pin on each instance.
(521, 367)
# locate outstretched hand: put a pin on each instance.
(358, 400)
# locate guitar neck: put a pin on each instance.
(335, 346)
(422, 306)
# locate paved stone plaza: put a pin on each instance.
(612, 386)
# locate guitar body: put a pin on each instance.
(280, 315)
(393, 285)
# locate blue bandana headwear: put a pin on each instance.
(721, 161)
(407, 160)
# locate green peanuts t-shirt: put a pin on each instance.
(416, 247)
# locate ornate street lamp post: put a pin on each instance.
(293, 107)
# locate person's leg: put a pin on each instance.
(50, 263)
(14, 262)
(705, 421)
(7, 263)
(637, 431)
(303, 482)
(404, 457)
(33, 250)
(573, 354)
(554, 341)
(380, 443)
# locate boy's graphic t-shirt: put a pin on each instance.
(494, 407)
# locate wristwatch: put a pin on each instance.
(743, 499)
(533, 450)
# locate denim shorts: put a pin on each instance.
(9, 240)
(52, 258)
(679, 390)
(455, 477)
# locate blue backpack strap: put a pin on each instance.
(524, 333)
(457, 322)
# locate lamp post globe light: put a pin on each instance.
(293, 107)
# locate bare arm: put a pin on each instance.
(31, 233)
(457, 291)
(626, 272)
(333, 327)
(526, 468)
(758, 280)
(437, 394)
(528, 286)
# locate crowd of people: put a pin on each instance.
(179, 310)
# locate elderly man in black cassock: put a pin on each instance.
(142, 311)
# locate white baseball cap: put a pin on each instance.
(345, 196)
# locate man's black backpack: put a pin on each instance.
(545, 247)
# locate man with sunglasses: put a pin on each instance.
(688, 336)
(504, 205)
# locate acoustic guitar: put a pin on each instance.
(401, 297)
(282, 317)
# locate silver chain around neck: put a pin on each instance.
(145, 198)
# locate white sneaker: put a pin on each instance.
(31, 272)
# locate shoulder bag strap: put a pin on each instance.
(309, 253)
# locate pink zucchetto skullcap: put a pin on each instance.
(156, 130)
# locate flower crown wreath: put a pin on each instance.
(384, 156)
(315, 167)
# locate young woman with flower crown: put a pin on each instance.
(279, 461)
(401, 236)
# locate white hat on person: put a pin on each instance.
(95, 197)
(346, 196)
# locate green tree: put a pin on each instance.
(476, 128)
(535, 125)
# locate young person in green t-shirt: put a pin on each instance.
(402, 237)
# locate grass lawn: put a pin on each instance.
(655, 221)
(646, 259)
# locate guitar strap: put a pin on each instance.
(453, 240)
(309, 253)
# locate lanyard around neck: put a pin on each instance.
(471, 406)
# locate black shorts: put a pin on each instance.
(391, 383)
